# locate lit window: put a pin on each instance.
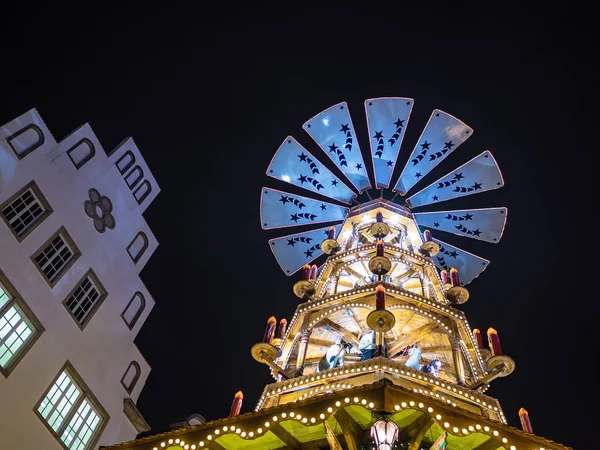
(25, 210)
(71, 412)
(18, 328)
(56, 256)
(85, 299)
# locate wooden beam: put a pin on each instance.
(410, 338)
(320, 342)
(415, 431)
(289, 440)
(436, 349)
(348, 337)
(212, 445)
(419, 433)
(351, 430)
(351, 271)
(490, 444)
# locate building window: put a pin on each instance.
(26, 140)
(81, 153)
(56, 256)
(19, 328)
(25, 210)
(71, 412)
(138, 246)
(131, 376)
(83, 301)
(134, 310)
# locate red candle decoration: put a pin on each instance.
(270, 330)
(379, 297)
(478, 337)
(379, 246)
(331, 233)
(236, 406)
(445, 277)
(379, 216)
(454, 277)
(525, 422)
(281, 329)
(494, 342)
(427, 235)
(305, 272)
(313, 272)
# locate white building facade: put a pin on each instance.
(73, 241)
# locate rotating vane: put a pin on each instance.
(333, 131)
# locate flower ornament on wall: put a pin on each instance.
(99, 208)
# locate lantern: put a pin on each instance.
(384, 434)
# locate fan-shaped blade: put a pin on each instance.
(279, 209)
(469, 266)
(387, 119)
(478, 175)
(442, 135)
(295, 250)
(293, 164)
(485, 224)
(333, 131)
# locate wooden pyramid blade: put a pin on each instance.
(334, 132)
(295, 250)
(477, 175)
(279, 209)
(293, 164)
(441, 136)
(486, 224)
(387, 119)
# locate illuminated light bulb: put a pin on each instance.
(446, 425)
(438, 416)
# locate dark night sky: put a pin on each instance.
(208, 98)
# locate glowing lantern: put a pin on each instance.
(384, 434)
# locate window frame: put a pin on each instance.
(136, 377)
(16, 300)
(42, 201)
(138, 313)
(62, 231)
(86, 393)
(31, 126)
(101, 290)
(85, 160)
(146, 244)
